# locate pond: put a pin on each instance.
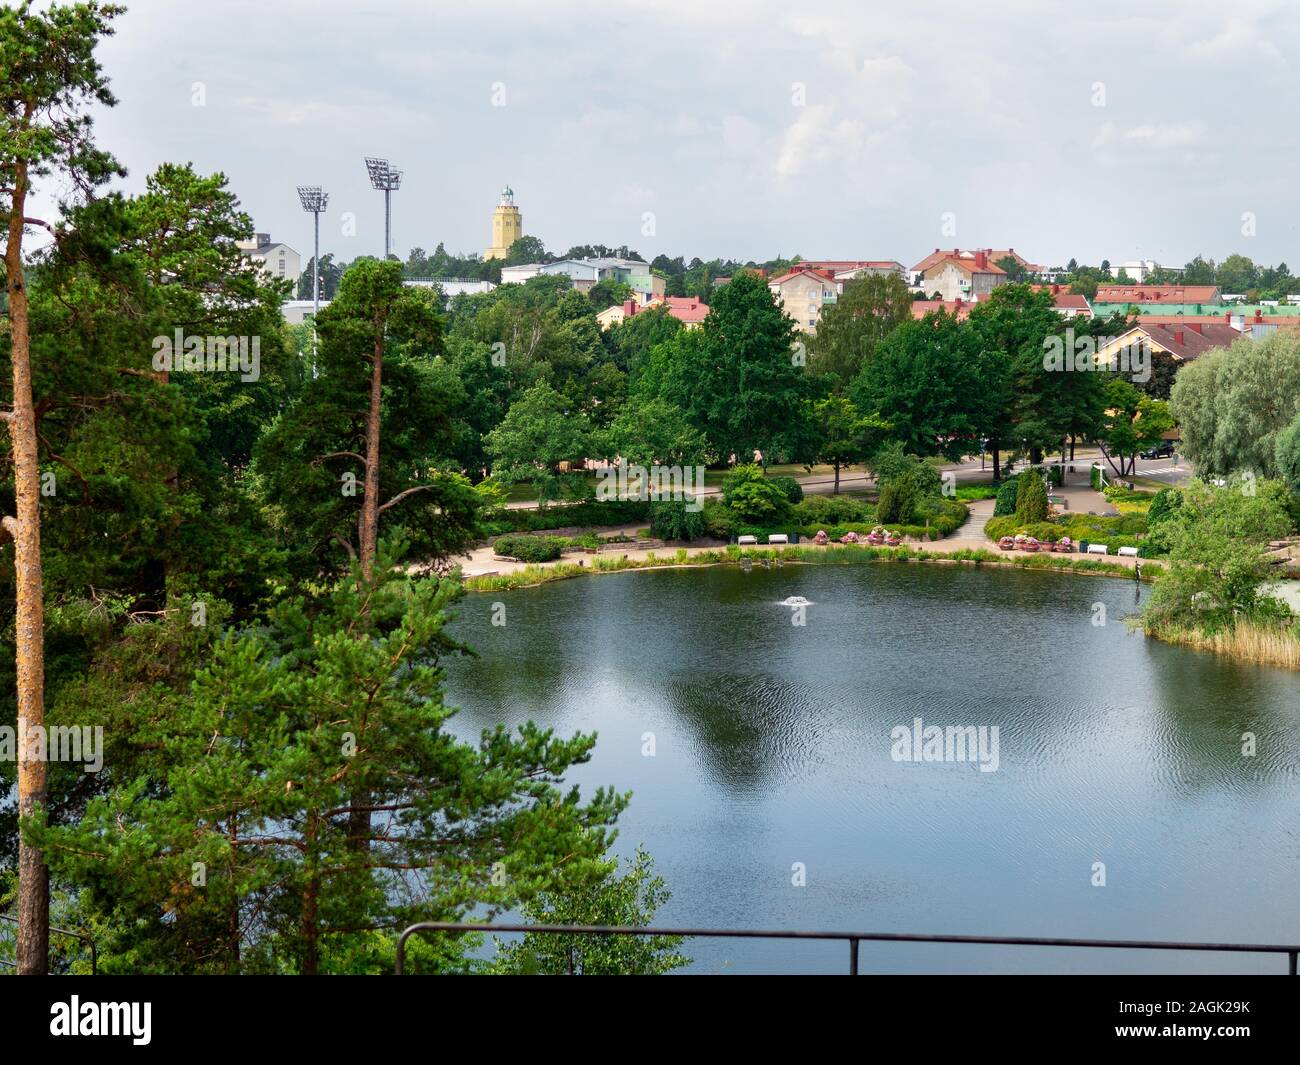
(781, 778)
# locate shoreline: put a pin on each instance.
(1242, 647)
(532, 576)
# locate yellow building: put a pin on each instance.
(507, 225)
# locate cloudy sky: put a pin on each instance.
(744, 129)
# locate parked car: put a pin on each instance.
(1162, 450)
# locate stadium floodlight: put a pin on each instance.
(388, 181)
(314, 199)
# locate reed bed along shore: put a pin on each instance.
(838, 554)
(1247, 642)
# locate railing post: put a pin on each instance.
(1292, 956)
(853, 957)
(399, 963)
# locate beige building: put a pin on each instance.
(961, 276)
(507, 225)
(278, 260)
(802, 293)
(686, 309)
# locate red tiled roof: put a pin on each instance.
(795, 271)
(1064, 299)
(1156, 294)
(683, 308)
(960, 308)
(994, 254)
(1187, 340)
(839, 265)
(967, 261)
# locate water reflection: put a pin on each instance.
(773, 747)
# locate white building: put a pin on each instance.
(584, 273)
(278, 260)
(517, 275)
(298, 311)
(1138, 270)
(451, 286)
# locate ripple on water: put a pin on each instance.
(773, 748)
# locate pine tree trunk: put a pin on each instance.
(25, 528)
(310, 905)
(369, 537)
(359, 820)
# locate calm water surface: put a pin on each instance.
(773, 748)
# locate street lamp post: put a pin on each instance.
(387, 180)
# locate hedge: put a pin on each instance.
(947, 519)
(530, 548)
(1123, 531)
(574, 515)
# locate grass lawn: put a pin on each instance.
(525, 492)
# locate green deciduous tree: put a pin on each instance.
(606, 898)
(1133, 421)
(655, 431)
(736, 377)
(1217, 540)
(850, 331)
(844, 435)
(1232, 403)
(539, 433)
(925, 380)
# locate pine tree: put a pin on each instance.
(231, 847)
(51, 77)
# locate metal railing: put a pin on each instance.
(94, 954)
(852, 938)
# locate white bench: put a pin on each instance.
(1098, 549)
(742, 540)
(778, 538)
(1128, 552)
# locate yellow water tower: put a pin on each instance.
(507, 225)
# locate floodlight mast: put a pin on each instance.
(388, 180)
(315, 200)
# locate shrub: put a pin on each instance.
(670, 520)
(1010, 524)
(719, 522)
(530, 548)
(970, 493)
(790, 488)
(1006, 498)
(578, 515)
(1031, 497)
(1287, 454)
(1115, 532)
(1167, 503)
(753, 498)
(831, 510)
(897, 502)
